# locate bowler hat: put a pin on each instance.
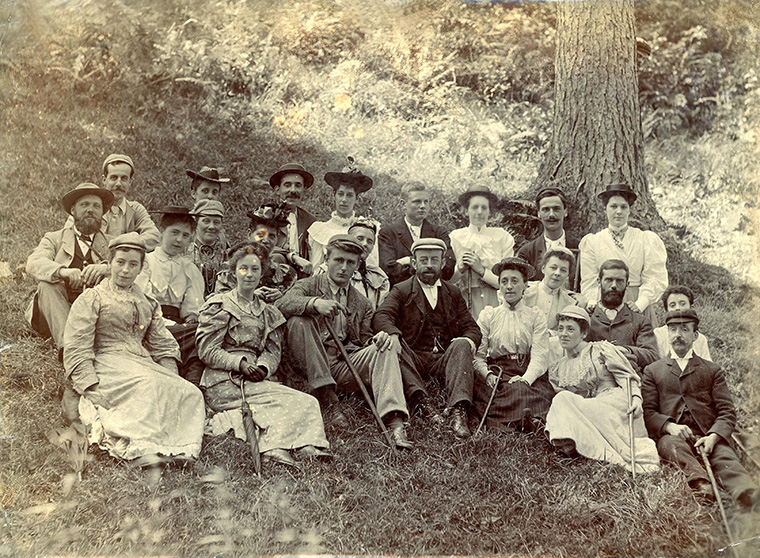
(575, 312)
(619, 189)
(117, 158)
(87, 189)
(428, 244)
(477, 190)
(349, 176)
(208, 174)
(210, 208)
(130, 240)
(519, 264)
(291, 168)
(681, 317)
(269, 215)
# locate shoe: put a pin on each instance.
(316, 453)
(703, 491)
(398, 433)
(526, 423)
(425, 410)
(335, 417)
(280, 456)
(459, 420)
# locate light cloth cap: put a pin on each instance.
(428, 244)
(129, 240)
(117, 158)
(209, 208)
(576, 312)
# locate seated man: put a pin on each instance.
(437, 334)
(330, 296)
(368, 279)
(550, 294)
(679, 298)
(395, 240)
(613, 320)
(688, 409)
(171, 277)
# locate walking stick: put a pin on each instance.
(362, 387)
(469, 288)
(631, 439)
(714, 484)
(741, 445)
(251, 430)
(490, 399)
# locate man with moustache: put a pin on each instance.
(614, 321)
(395, 240)
(290, 183)
(688, 409)
(552, 211)
(429, 319)
(330, 296)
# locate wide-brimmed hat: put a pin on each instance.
(428, 244)
(209, 174)
(87, 189)
(519, 264)
(269, 215)
(619, 189)
(131, 240)
(173, 210)
(349, 176)
(291, 168)
(576, 312)
(209, 208)
(681, 317)
(477, 190)
(117, 158)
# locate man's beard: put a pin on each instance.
(612, 299)
(87, 224)
(425, 277)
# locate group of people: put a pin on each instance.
(164, 328)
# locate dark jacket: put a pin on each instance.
(702, 387)
(295, 302)
(629, 329)
(395, 242)
(403, 312)
(533, 251)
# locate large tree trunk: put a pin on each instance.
(597, 138)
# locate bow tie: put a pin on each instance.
(86, 238)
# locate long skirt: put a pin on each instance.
(140, 408)
(599, 428)
(286, 418)
(511, 400)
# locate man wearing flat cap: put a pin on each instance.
(429, 319)
(290, 183)
(330, 296)
(125, 215)
(67, 260)
(688, 409)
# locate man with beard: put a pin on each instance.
(688, 409)
(395, 240)
(552, 211)
(290, 183)
(614, 321)
(429, 318)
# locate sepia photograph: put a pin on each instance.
(380, 278)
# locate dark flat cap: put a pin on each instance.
(681, 317)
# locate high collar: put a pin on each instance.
(477, 230)
(164, 257)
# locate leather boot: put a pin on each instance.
(459, 421)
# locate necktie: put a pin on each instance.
(618, 236)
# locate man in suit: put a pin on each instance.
(688, 409)
(290, 183)
(395, 240)
(552, 211)
(330, 296)
(614, 321)
(430, 320)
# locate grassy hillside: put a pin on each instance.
(443, 92)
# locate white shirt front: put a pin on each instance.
(550, 244)
(682, 362)
(414, 230)
(431, 292)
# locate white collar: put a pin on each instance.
(476, 230)
(548, 241)
(408, 224)
(430, 287)
(686, 357)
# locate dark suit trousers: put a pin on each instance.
(724, 461)
(454, 365)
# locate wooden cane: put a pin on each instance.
(714, 484)
(469, 289)
(361, 385)
(490, 399)
(631, 438)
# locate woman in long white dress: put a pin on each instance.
(123, 361)
(589, 413)
(478, 248)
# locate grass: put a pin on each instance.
(177, 89)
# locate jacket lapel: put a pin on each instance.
(418, 296)
(405, 235)
(600, 315)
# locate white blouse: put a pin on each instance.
(320, 233)
(491, 244)
(172, 280)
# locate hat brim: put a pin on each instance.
(359, 182)
(106, 196)
(464, 199)
(174, 211)
(272, 223)
(627, 194)
(529, 271)
(194, 175)
(308, 178)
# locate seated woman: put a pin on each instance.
(172, 278)
(239, 335)
(589, 413)
(123, 362)
(477, 248)
(642, 251)
(209, 246)
(347, 185)
(515, 340)
(550, 295)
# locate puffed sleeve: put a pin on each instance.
(654, 273)
(213, 322)
(480, 360)
(618, 365)
(589, 270)
(191, 303)
(79, 341)
(539, 349)
(158, 341)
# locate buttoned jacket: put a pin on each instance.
(56, 251)
(395, 242)
(629, 329)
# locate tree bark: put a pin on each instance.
(597, 138)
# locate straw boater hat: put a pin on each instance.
(349, 176)
(209, 208)
(477, 190)
(291, 168)
(117, 158)
(87, 189)
(518, 264)
(209, 174)
(130, 240)
(620, 189)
